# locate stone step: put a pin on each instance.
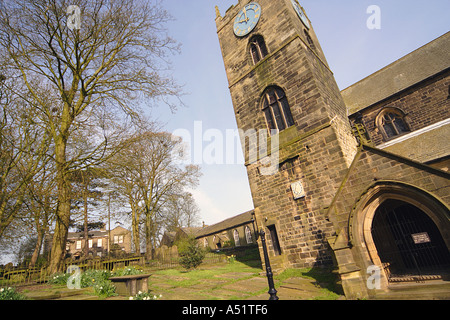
(427, 290)
(79, 297)
(56, 294)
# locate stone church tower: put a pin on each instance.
(279, 79)
(359, 196)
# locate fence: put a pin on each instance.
(31, 276)
(164, 258)
(20, 277)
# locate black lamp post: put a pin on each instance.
(272, 291)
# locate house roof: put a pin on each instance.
(419, 65)
(229, 223)
(191, 230)
(170, 235)
(96, 233)
(76, 235)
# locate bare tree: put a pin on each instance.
(87, 185)
(160, 178)
(123, 177)
(80, 59)
(24, 147)
(40, 205)
(148, 171)
(181, 211)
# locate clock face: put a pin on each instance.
(300, 14)
(247, 19)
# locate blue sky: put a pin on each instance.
(353, 52)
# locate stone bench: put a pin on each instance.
(131, 285)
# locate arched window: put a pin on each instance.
(276, 109)
(258, 49)
(391, 123)
(237, 241)
(248, 235)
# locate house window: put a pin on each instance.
(118, 239)
(391, 122)
(258, 49)
(275, 241)
(90, 242)
(248, 235)
(216, 241)
(99, 243)
(237, 241)
(78, 245)
(276, 109)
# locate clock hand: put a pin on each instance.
(245, 12)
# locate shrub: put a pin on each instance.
(191, 255)
(98, 279)
(104, 289)
(127, 271)
(10, 294)
(90, 278)
(231, 259)
(59, 278)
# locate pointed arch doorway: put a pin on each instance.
(408, 242)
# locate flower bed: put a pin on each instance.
(98, 279)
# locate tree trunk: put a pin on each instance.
(63, 207)
(86, 234)
(135, 226)
(148, 238)
(41, 222)
(37, 249)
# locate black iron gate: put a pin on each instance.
(408, 242)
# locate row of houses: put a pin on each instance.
(100, 243)
(236, 231)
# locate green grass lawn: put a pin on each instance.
(324, 279)
(235, 281)
(225, 281)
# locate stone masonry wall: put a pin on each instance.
(424, 104)
(317, 150)
(376, 174)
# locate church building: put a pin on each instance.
(361, 177)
